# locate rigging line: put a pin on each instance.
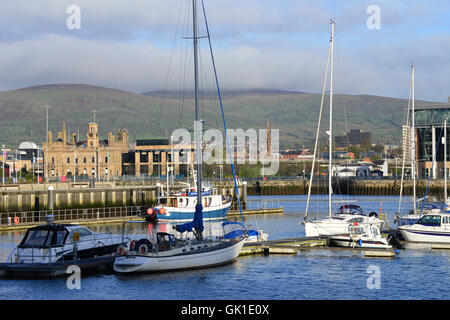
(342, 74)
(223, 115)
(168, 71)
(432, 166)
(317, 134)
(187, 66)
(183, 64)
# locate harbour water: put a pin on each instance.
(315, 274)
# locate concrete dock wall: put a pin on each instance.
(17, 198)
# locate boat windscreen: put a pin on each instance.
(43, 238)
(430, 220)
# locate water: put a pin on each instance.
(317, 274)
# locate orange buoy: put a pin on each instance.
(16, 220)
(162, 211)
(149, 211)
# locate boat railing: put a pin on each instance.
(257, 204)
(61, 215)
(19, 252)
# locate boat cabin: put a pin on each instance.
(434, 220)
(352, 209)
(52, 235)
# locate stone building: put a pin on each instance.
(65, 157)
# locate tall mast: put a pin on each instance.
(330, 143)
(413, 140)
(197, 113)
(445, 161)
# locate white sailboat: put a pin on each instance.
(168, 253)
(335, 223)
(420, 206)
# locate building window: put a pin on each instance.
(76, 160)
(68, 159)
(84, 171)
(53, 172)
(93, 171)
(144, 169)
(106, 159)
(156, 157)
(106, 171)
(53, 160)
(93, 159)
(143, 157)
(84, 160)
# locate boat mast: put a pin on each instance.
(413, 141)
(197, 114)
(445, 161)
(330, 143)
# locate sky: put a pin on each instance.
(140, 45)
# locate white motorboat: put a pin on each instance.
(430, 228)
(52, 243)
(47, 251)
(362, 237)
(338, 223)
(167, 252)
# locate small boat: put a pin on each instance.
(181, 206)
(339, 221)
(235, 230)
(48, 249)
(362, 237)
(430, 228)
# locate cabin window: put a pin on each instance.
(44, 238)
(430, 220)
(181, 200)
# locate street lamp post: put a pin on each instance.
(3, 164)
(46, 152)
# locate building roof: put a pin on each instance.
(28, 145)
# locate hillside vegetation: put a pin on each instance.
(157, 114)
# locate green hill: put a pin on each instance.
(156, 114)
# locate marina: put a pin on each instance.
(307, 268)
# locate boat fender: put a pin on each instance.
(121, 250)
(149, 211)
(143, 249)
(373, 214)
(162, 211)
(16, 220)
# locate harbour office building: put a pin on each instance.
(429, 125)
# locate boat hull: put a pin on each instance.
(347, 241)
(331, 227)
(425, 234)
(162, 263)
(209, 213)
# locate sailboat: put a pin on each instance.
(335, 223)
(420, 206)
(167, 252)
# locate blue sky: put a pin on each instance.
(257, 43)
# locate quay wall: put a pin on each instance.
(17, 198)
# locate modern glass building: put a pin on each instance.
(429, 124)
